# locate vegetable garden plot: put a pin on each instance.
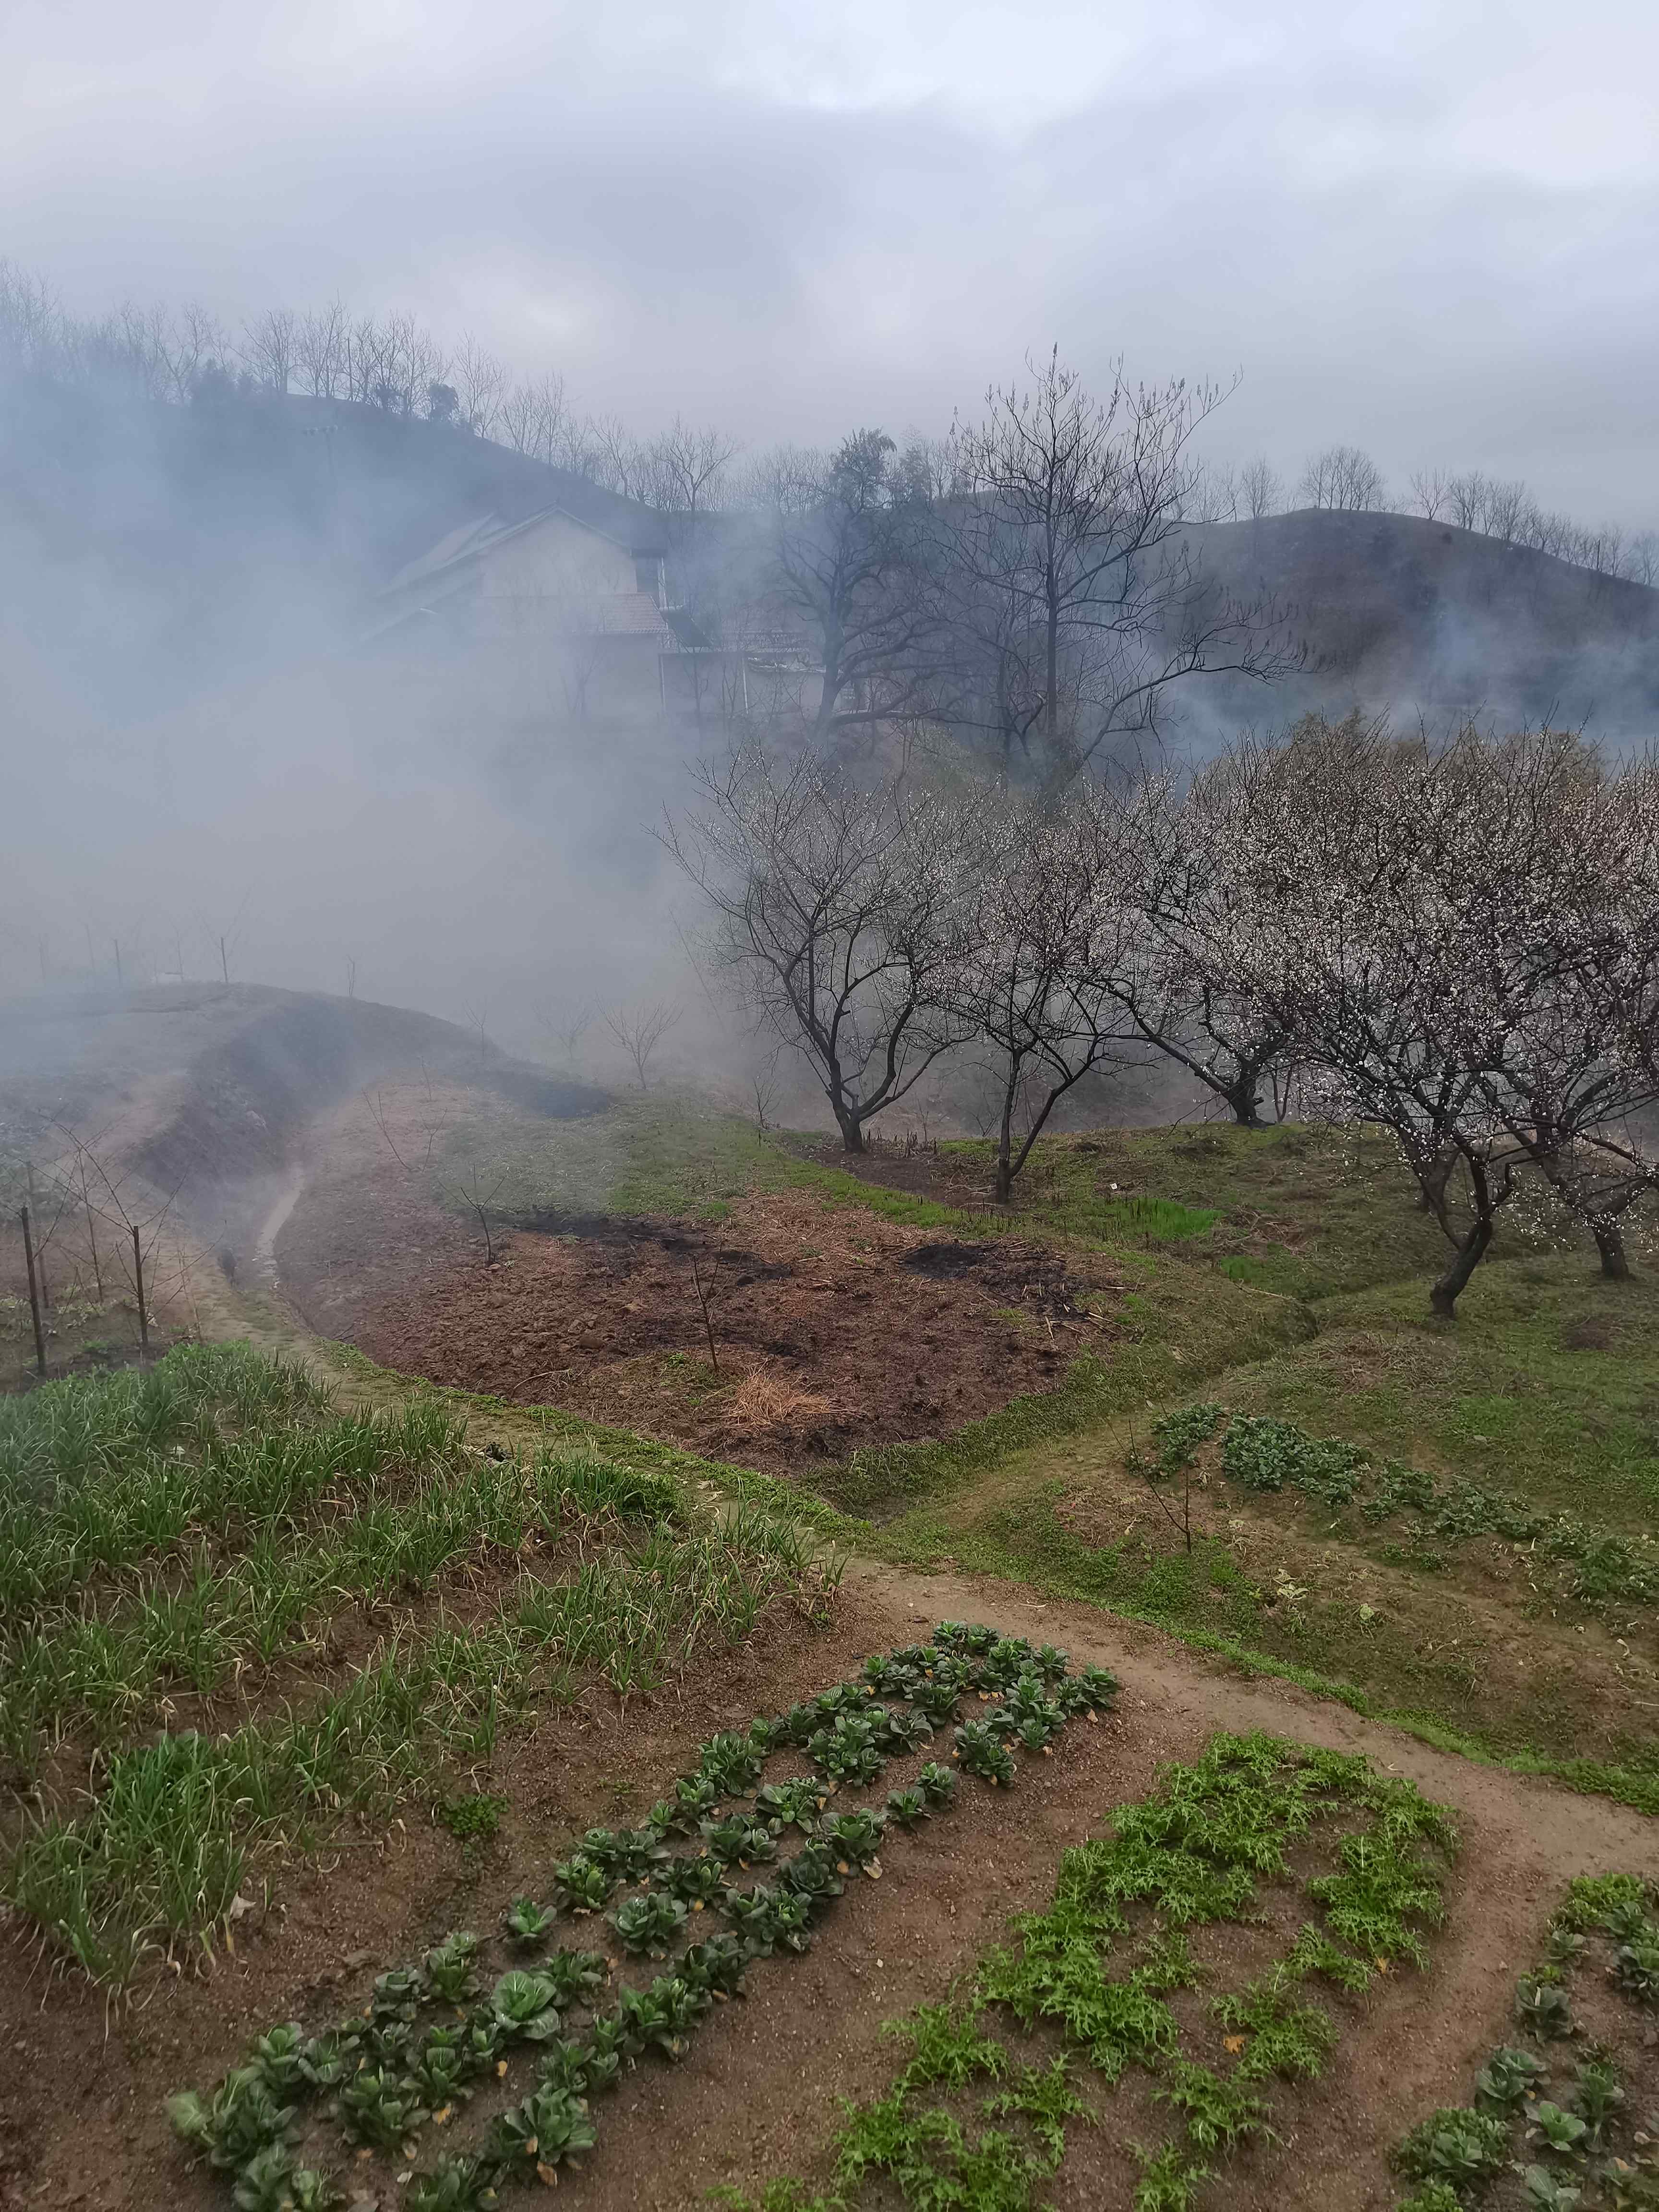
(442, 2046)
(1119, 1983)
(1570, 1557)
(1562, 2115)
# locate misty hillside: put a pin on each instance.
(183, 543)
(156, 549)
(1398, 613)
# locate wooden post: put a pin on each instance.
(138, 1278)
(40, 1257)
(34, 1295)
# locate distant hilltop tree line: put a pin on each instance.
(1345, 480)
(188, 356)
(1456, 941)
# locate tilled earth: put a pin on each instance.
(831, 1328)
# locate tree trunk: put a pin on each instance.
(1442, 1298)
(849, 1124)
(1610, 1244)
(1244, 1098)
(1005, 1182)
(1431, 1185)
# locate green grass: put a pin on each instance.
(651, 1154)
(1299, 1211)
(1511, 1395)
(172, 1532)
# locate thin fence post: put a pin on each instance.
(40, 1257)
(138, 1278)
(34, 1295)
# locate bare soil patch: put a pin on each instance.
(832, 1327)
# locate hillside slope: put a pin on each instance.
(1399, 614)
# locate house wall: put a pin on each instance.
(557, 568)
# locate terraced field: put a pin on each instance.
(416, 1794)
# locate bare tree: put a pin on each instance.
(480, 382)
(321, 351)
(477, 1200)
(1215, 494)
(564, 1028)
(269, 348)
(639, 1030)
(682, 472)
(1036, 967)
(1178, 981)
(1428, 494)
(1260, 488)
(1641, 562)
(1070, 584)
(835, 914)
(1344, 479)
(531, 416)
(704, 1276)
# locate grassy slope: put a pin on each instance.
(1279, 1271)
(1547, 1385)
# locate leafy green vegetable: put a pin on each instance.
(576, 1976)
(661, 2018)
(937, 1784)
(791, 1804)
(731, 1763)
(449, 1968)
(397, 1995)
(768, 1920)
(271, 2182)
(581, 1884)
(524, 2006)
(536, 2137)
(279, 2059)
(1508, 2076)
(698, 1881)
(1558, 2129)
(528, 1923)
(717, 1965)
(650, 1923)
(980, 1752)
(1636, 1965)
(738, 1841)
(1454, 2145)
(813, 1874)
(242, 2119)
(905, 1808)
(856, 1837)
(1541, 2004)
(455, 2185)
(380, 2109)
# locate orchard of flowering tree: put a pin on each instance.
(1456, 941)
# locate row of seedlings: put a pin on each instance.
(713, 1850)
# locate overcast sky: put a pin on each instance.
(1429, 226)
